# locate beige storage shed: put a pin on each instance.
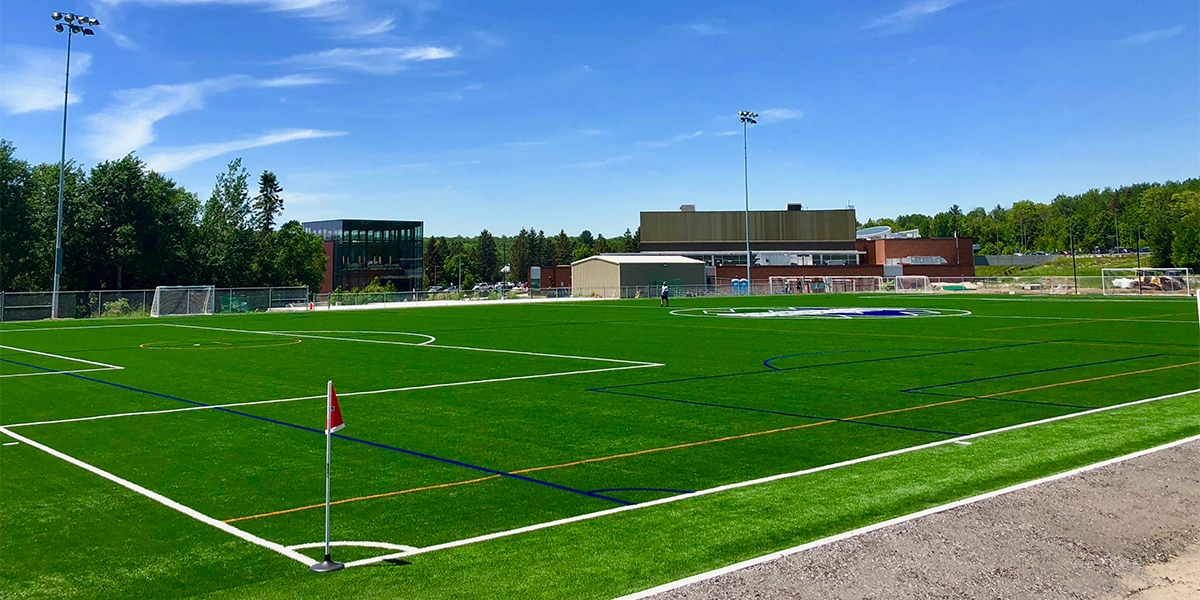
(625, 275)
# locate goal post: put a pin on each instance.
(180, 300)
(782, 284)
(912, 284)
(1174, 282)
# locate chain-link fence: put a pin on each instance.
(31, 306)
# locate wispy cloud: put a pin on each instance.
(128, 125)
(595, 164)
(33, 78)
(379, 60)
(1146, 37)
(354, 17)
(775, 115)
(671, 140)
(708, 28)
(907, 17)
(174, 159)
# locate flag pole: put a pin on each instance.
(328, 564)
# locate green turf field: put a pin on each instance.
(473, 431)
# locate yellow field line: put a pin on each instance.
(1042, 387)
(596, 460)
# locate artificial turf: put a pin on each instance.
(700, 401)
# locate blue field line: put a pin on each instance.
(1047, 370)
(1013, 400)
(643, 489)
(767, 363)
(781, 413)
(448, 461)
(823, 365)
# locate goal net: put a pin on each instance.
(823, 285)
(183, 300)
(912, 283)
(1146, 281)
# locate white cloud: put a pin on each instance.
(774, 115)
(595, 164)
(707, 28)
(907, 17)
(355, 17)
(33, 77)
(380, 60)
(173, 159)
(128, 125)
(671, 140)
(1146, 37)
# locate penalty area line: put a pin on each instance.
(165, 501)
(753, 482)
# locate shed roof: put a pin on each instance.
(634, 259)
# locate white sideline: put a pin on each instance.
(384, 545)
(731, 486)
(165, 501)
(896, 521)
(340, 395)
(100, 366)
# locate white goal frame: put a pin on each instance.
(814, 284)
(196, 300)
(912, 284)
(1146, 281)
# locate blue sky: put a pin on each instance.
(580, 114)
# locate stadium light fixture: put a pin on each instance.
(747, 118)
(71, 29)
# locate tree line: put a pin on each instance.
(480, 259)
(126, 226)
(1165, 217)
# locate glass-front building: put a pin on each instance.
(360, 251)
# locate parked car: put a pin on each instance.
(482, 287)
(436, 289)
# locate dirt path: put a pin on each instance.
(1126, 531)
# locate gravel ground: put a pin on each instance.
(1129, 530)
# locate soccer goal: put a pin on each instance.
(912, 284)
(824, 285)
(1146, 281)
(176, 300)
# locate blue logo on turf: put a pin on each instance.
(806, 312)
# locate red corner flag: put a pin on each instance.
(333, 421)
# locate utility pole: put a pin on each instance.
(747, 118)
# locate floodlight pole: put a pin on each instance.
(747, 118)
(71, 29)
(1074, 269)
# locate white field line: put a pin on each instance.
(426, 345)
(70, 328)
(742, 484)
(90, 362)
(340, 395)
(165, 501)
(430, 339)
(55, 372)
(896, 521)
(384, 545)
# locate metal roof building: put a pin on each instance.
(624, 275)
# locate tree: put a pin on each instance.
(1185, 249)
(564, 249)
(434, 259)
(1160, 219)
(519, 256)
(628, 244)
(268, 203)
(581, 251)
(298, 257)
(486, 259)
(227, 240)
(586, 238)
(600, 246)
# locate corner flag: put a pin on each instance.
(333, 422)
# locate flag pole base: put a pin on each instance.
(327, 566)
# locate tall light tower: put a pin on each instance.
(747, 118)
(71, 24)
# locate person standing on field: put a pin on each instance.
(663, 300)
